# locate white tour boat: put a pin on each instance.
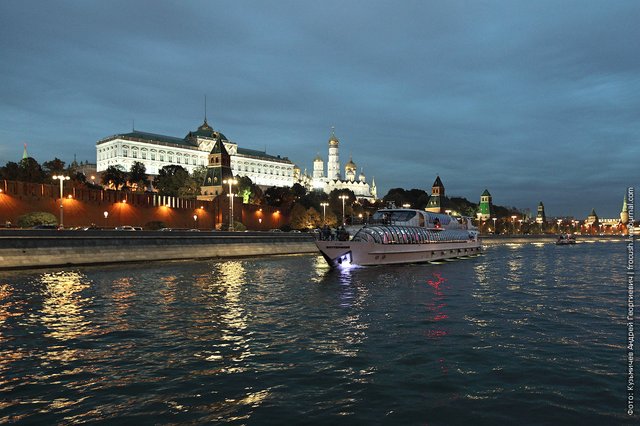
(404, 236)
(566, 239)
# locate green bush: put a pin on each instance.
(36, 218)
(239, 226)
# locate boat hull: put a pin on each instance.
(363, 253)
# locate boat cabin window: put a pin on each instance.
(392, 216)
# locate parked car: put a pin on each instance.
(275, 230)
(45, 227)
(125, 228)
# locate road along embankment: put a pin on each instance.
(43, 248)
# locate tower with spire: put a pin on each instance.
(218, 169)
(541, 218)
(624, 213)
(484, 209)
(24, 152)
(436, 201)
(333, 163)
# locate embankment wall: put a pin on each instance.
(43, 248)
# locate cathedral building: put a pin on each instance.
(156, 151)
(333, 178)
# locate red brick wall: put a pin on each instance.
(87, 206)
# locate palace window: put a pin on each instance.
(153, 155)
(144, 155)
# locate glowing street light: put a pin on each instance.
(343, 197)
(106, 215)
(61, 178)
(494, 224)
(230, 195)
(324, 212)
(195, 221)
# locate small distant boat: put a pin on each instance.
(565, 239)
(404, 236)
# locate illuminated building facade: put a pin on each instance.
(156, 151)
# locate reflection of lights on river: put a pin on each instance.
(436, 307)
(225, 289)
(122, 294)
(63, 307)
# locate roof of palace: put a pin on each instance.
(190, 141)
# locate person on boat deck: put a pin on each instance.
(326, 233)
(436, 223)
(342, 234)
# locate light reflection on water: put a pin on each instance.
(284, 339)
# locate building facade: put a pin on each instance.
(156, 151)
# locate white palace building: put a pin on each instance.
(156, 151)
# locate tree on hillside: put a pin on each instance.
(10, 171)
(114, 177)
(31, 171)
(281, 197)
(298, 191)
(54, 167)
(198, 174)
(302, 218)
(397, 196)
(170, 179)
(189, 189)
(250, 192)
(137, 176)
(313, 199)
(335, 202)
(416, 198)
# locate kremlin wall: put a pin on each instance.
(84, 207)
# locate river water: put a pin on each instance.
(528, 333)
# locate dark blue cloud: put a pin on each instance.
(533, 100)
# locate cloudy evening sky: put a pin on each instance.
(534, 100)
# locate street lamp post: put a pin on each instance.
(195, 221)
(324, 212)
(61, 178)
(495, 230)
(106, 215)
(230, 195)
(343, 197)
